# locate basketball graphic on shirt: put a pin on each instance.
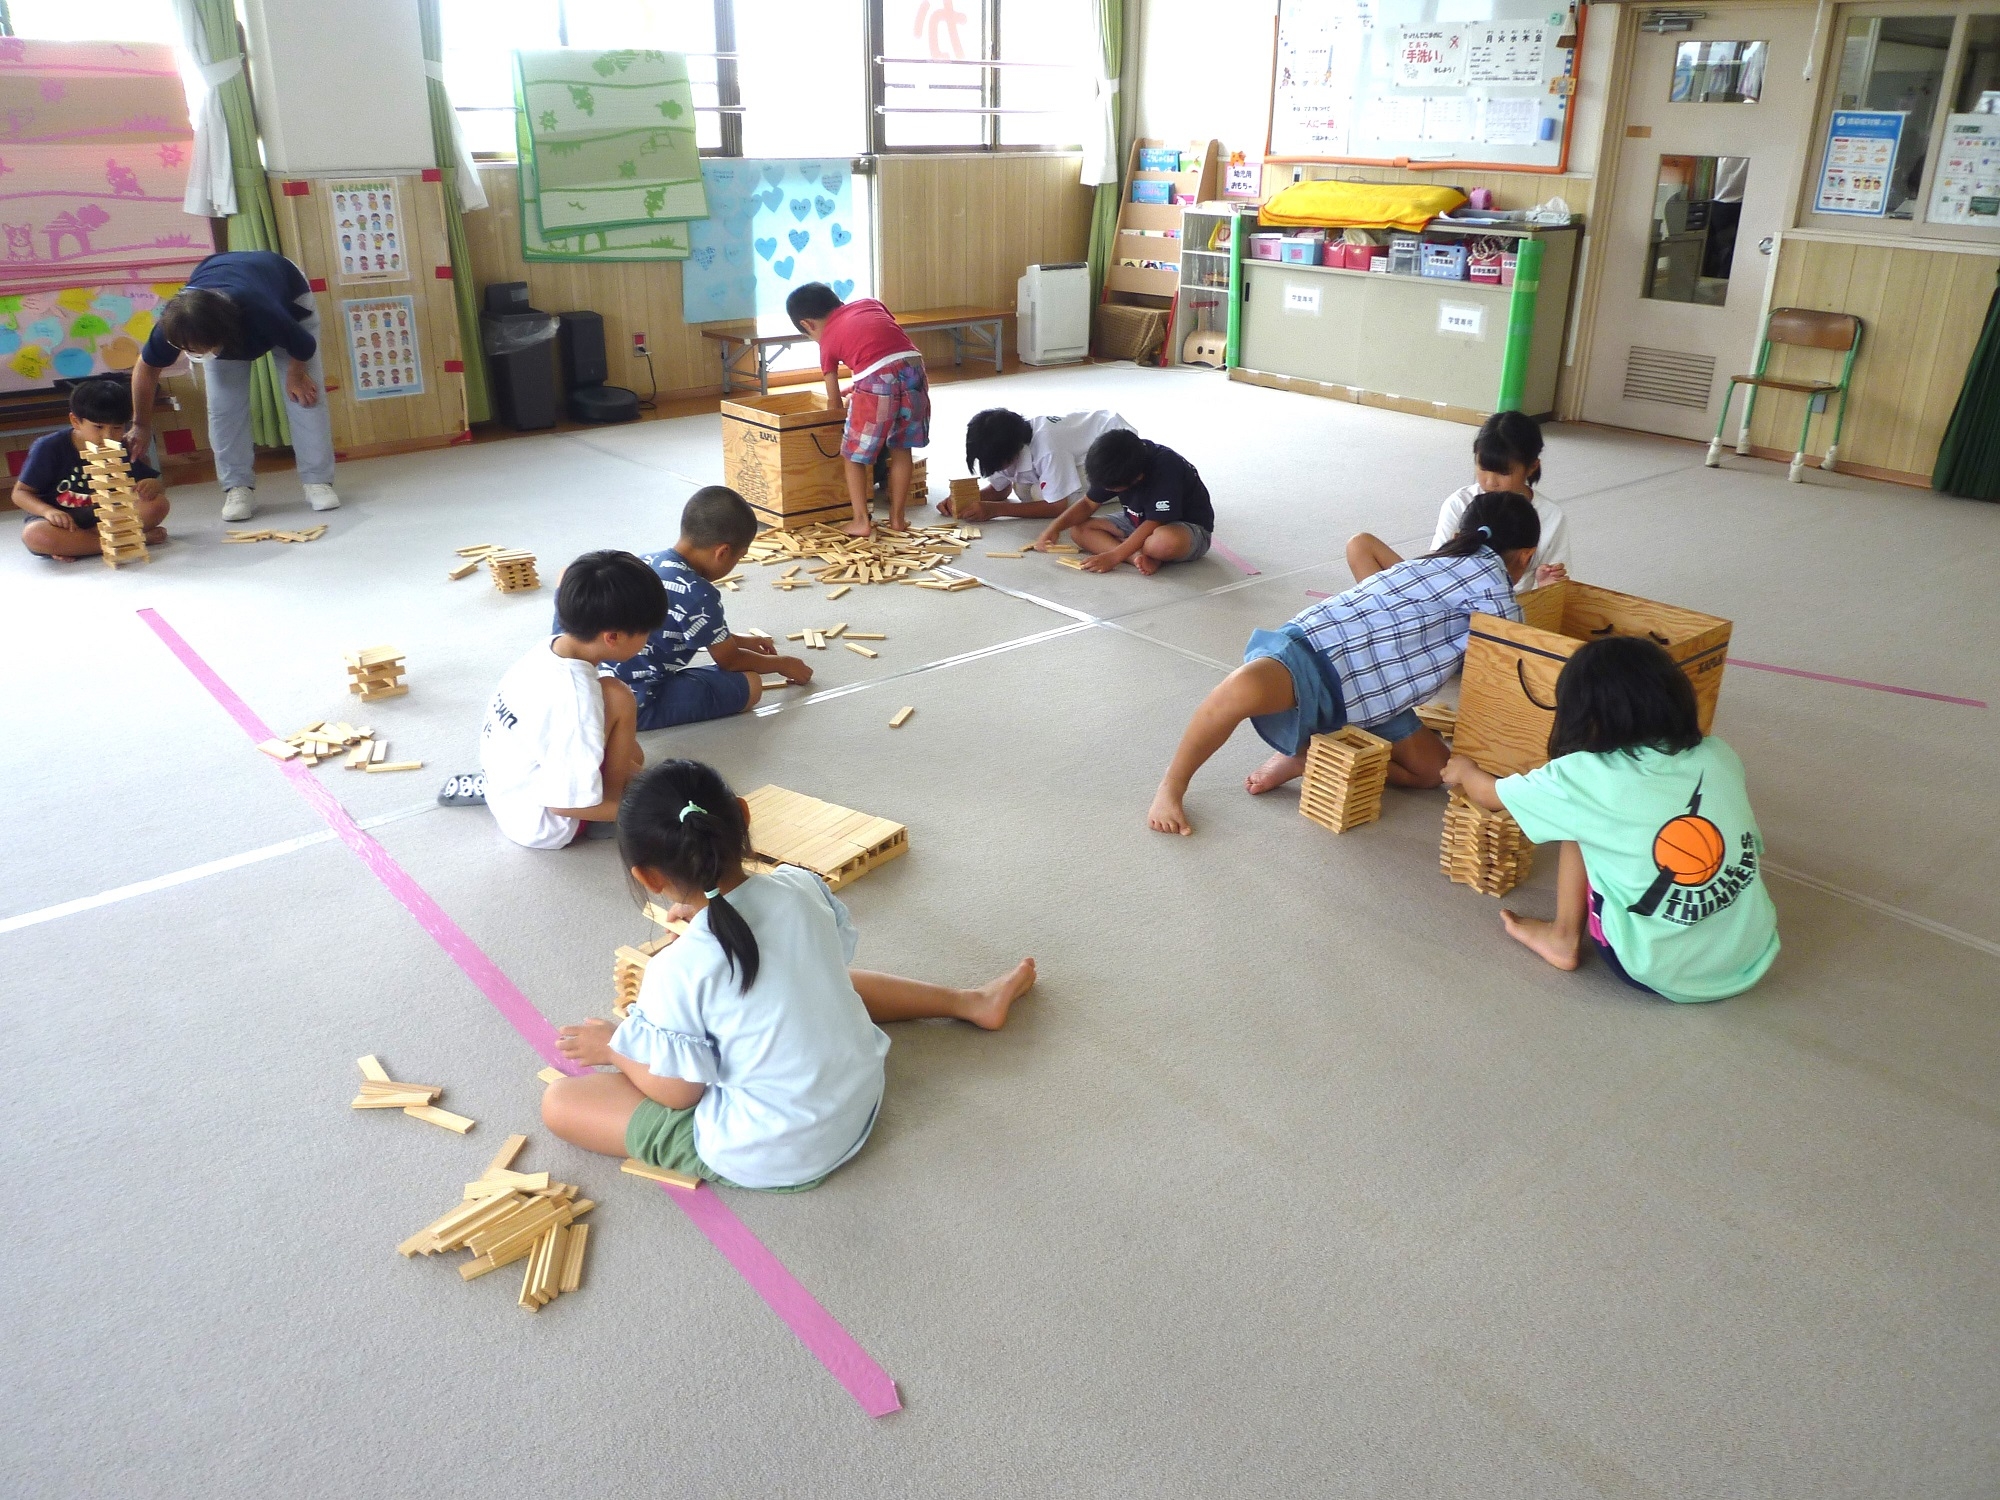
(1689, 848)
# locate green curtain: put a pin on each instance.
(478, 405)
(254, 226)
(1104, 216)
(1968, 462)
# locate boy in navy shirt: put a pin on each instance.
(54, 489)
(1167, 516)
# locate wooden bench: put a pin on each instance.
(979, 329)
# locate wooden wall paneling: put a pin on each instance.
(1925, 331)
(1966, 295)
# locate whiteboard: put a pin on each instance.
(1468, 82)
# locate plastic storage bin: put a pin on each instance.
(1404, 254)
(1300, 249)
(1264, 246)
(1443, 262)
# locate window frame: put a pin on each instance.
(1917, 228)
(992, 70)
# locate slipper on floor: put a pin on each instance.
(464, 791)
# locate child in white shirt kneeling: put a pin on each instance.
(1030, 467)
(752, 1057)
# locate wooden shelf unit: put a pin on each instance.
(1195, 182)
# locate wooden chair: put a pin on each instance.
(1805, 329)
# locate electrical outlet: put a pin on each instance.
(1298, 174)
(639, 344)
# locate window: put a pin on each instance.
(771, 77)
(1908, 135)
(979, 75)
(100, 20)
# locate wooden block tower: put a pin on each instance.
(1482, 849)
(1344, 777)
(513, 571)
(121, 535)
(376, 673)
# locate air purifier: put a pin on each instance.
(1052, 314)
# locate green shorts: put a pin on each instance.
(662, 1137)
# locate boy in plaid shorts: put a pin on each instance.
(889, 403)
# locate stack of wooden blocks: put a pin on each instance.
(121, 536)
(835, 843)
(509, 1216)
(513, 571)
(376, 673)
(1344, 777)
(1440, 719)
(1482, 849)
(911, 557)
(417, 1100)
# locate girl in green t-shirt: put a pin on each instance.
(1661, 857)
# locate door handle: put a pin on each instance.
(1765, 244)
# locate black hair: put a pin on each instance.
(1623, 693)
(994, 438)
(106, 401)
(813, 300)
(1504, 520)
(681, 819)
(1116, 460)
(716, 515)
(196, 318)
(603, 591)
(1507, 439)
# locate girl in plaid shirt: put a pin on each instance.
(1367, 657)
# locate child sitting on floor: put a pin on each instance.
(752, 1055)
(1660, 855)
(1506, 455)
(888, 405)
(717, 526)
(54, 488)
(1368, 657)
(560, 742)
(1028, 467)
(1167, 516)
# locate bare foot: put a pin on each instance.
(1166, 815)
(1148, 566)
(59, 557)
(987, 1006)
(1543, 938)
(1274, 773)
(897, 524)
(859, 528)
(156, 536)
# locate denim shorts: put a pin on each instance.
(1120, 521)
(693, 694)
(1318, 705)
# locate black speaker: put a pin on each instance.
(581, 337)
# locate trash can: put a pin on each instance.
(520, 345)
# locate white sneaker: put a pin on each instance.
(239, 504)
(322, 497)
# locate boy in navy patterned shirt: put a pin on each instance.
(717, 526)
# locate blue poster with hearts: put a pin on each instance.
(771, 226)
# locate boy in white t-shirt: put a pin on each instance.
(1506, 455)
(560, 741)
(1029, 466)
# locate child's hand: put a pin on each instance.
(757, 645)
(1454, 770)
(60, 519)
(792, 669)
(1042, 543)
(1549, 573)
(1103, 562)
(590, 1043)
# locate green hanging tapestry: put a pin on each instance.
(1968, 462)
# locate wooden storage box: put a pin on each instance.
(781, 452)
(1507, 706)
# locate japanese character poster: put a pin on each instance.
(382, 347)
(370, 235)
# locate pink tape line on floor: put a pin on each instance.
(1878, 687)
(1222, 551)
(867, 1382)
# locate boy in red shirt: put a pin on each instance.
(889, 404)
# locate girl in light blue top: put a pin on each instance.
(751, 1057)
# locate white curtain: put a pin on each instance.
(471, 192)
(211, 189)
(1100, 122)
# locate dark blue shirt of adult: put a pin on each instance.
(266, 289)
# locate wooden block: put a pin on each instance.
(834, 634)
(550, 1075)
(902, 718)
(530, 1278)
(861, 650)
(659, 1174)
(429, 1092)
(866, 635)
(796, 635)
(372, 1069)
(1003, 554)
(358, 757)
(571, 1276)
(774, 679)
(844, 588)
(464, 570)
(1070, 562)
(440, 1117)
(526, 1182)
(504, 1157)
(441, 1233)
(394, 765)
(278, 749)
(405, 1099)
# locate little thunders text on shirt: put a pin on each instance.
(504, 714)
(1688, 907)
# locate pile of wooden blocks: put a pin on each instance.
(815, 640)
(628, 964)
(509, 1216)
(1344, 776)
(512, 569)
(312, 534)
(121, 536)
(323, 738)
(1482, 849)
(912, 556)
(417, 1100)
(835, 843)
(376, 673)
(1440, 718)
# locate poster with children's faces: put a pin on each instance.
(382, 347)
(370, 238)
